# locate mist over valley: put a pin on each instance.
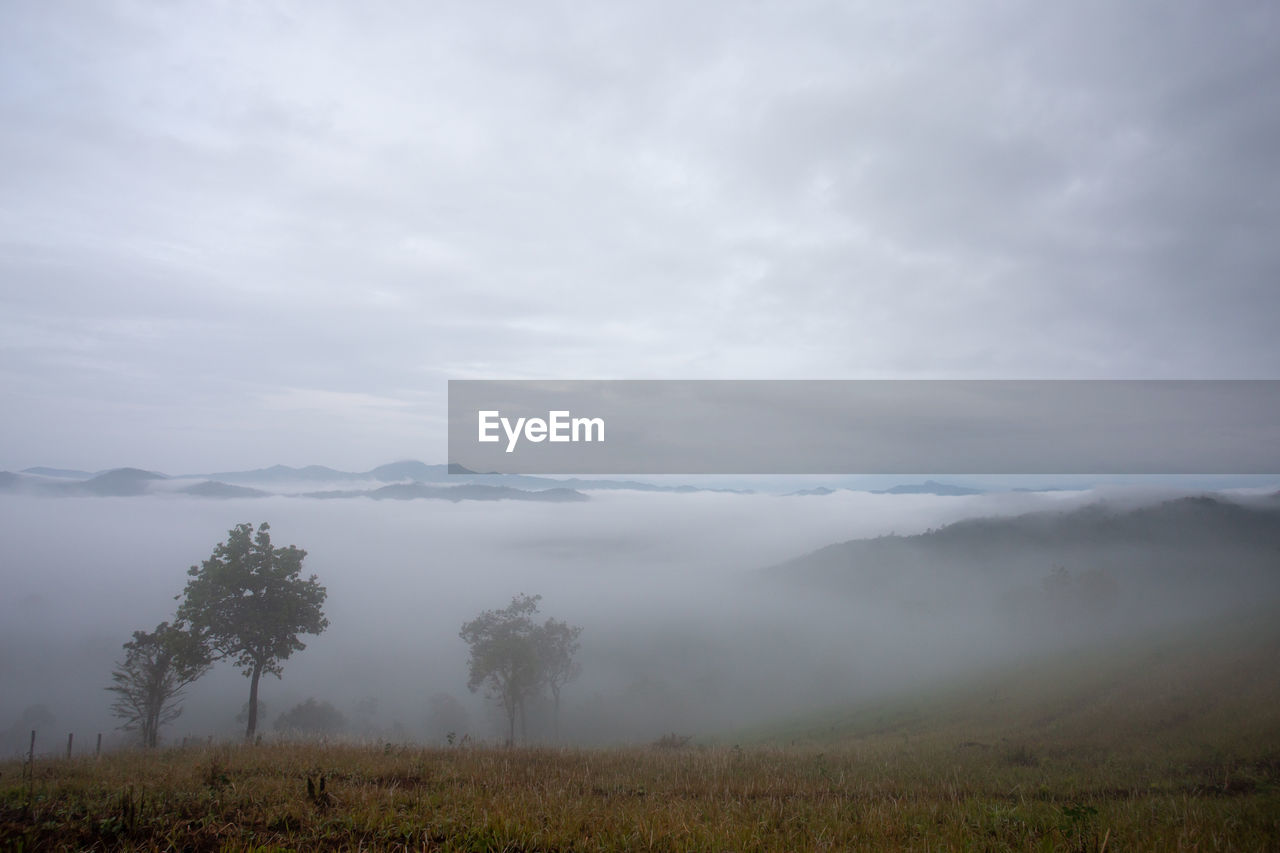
(702, 612)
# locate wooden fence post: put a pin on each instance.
(70, 736)
(31, 769)
(97, 750)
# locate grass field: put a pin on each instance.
(1171, 746)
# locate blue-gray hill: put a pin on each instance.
(214, 489)
(1206, 547)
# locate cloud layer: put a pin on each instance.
(244, 234)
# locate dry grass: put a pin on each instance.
(882, 793)
(1172, 747)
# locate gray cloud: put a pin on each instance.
(243, 235)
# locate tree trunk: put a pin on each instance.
(253, 702)
(151, 725)
(555, 695)
(149, 731)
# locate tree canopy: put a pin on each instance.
(557, 643)
(249, 603)
(514, 658)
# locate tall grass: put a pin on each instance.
(880, 793)
(1174, 745)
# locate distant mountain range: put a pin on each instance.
(283, 479)
(420, 472)
(466, 492)
(446, 482)
(405, 480)
(130, 482)
(930, 487)
(118, 482)
(67, 473)
(820, 491)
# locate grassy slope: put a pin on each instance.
(1213, 688)
(1171, 745)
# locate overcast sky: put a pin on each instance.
(236, 234)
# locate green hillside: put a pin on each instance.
(1191, 700)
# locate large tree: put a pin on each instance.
(249, 602)
(148, 685)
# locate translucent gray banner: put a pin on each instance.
(865, 427)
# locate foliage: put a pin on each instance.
(148, 685)
(504, 656)
(557, 643)
(249, 603)
(515, 658)
(312, 717)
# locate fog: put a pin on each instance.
(682, 631)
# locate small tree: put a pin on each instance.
(249, 603)
(557, 643)
(157, 667)
(515, 657)
(312, 718)
(504, 657)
